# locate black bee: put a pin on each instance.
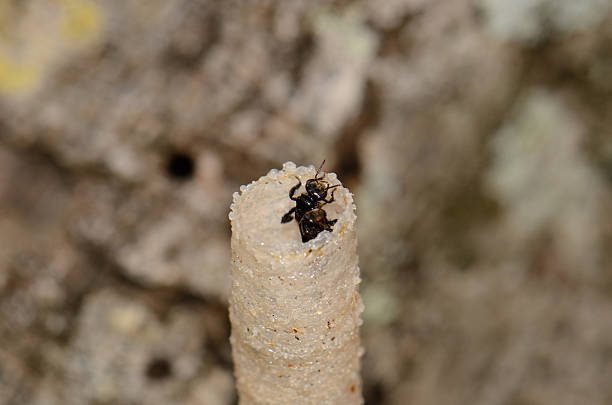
(308, 211)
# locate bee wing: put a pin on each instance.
(309, 227)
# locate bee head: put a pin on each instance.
(317, 188)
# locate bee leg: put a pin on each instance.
(294, 188)
(332, 194)
(288, 216)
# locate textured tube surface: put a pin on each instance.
(294, 307)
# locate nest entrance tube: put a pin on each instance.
(294, 307)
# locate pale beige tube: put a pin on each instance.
(294, 307)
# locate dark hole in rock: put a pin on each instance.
(159, 368)
(374, 394)
(180, 166)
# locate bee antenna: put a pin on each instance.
(319, 169)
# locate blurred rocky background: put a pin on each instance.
(475, 134)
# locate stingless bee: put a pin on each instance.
(308, 210)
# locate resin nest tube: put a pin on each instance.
(294, 306)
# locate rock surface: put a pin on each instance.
(475, 135)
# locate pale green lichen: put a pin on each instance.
(544, 181)
(334, 79)
(529, 21)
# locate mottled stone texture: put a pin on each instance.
(294, 306)
(475, 134)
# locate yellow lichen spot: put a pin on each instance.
(81, 20)
(16, 77)
(127, 320)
